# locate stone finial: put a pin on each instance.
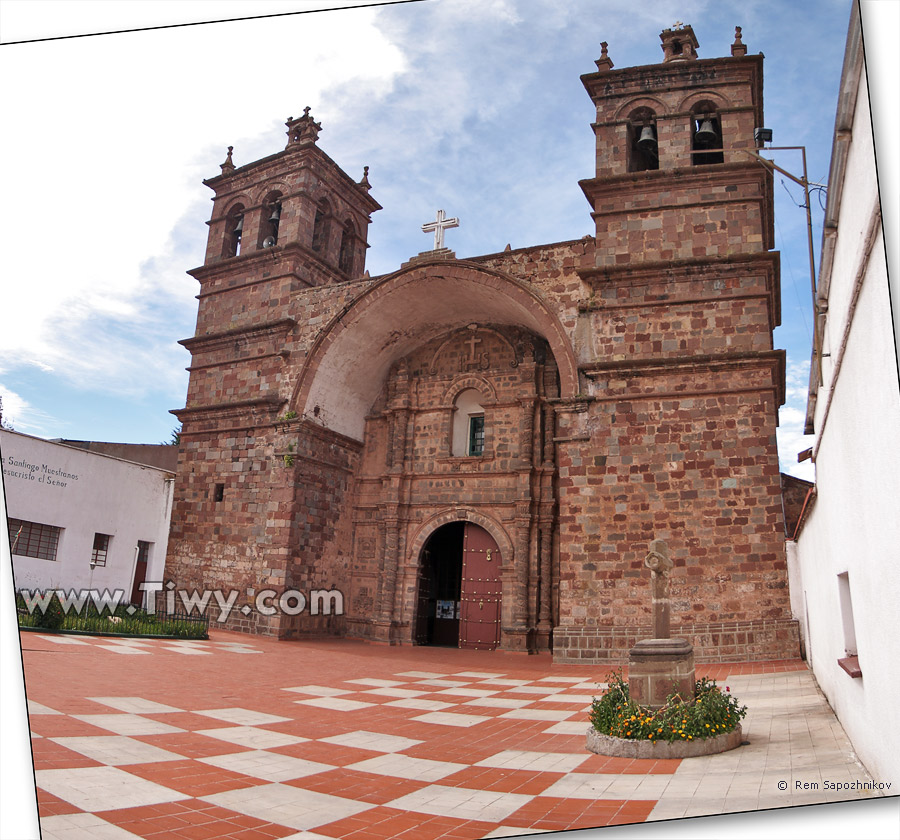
(679, 43)
(738, 48)
(228, 166)
(304, 131)
(604, 62)
(364, 183)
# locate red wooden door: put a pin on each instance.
(479, 626)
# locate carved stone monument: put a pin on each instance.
(660, 665)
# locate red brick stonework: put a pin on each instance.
(625, 387)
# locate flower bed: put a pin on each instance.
(711, 715)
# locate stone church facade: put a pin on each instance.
(479, 451)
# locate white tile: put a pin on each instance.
(273, 767)
(444, 683)
(422, 705)
(336, 704)
(251, 736)
(82, 826)
(476, 675)
(64, 640)
(545, 762)
(608, 786)
(124, 649)
(538, 714)
(377, 683)
(129, 724)
(318, 690)
(451, 719)
(406, 767)
(504, 682)
(503, 831)
(243, 717)
(426, 675)
(135, 705)
(288, 805)
(535, 689)
(135, 642)
(568, 727)
(499, 702)
(559, 679)
(469, 692)
(116, 750)
(580, 699)
(104, 788)
(393, 692)
(461, 803)
(187, 651)
(35, 708)
(376, 741)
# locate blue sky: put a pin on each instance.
(468, 105)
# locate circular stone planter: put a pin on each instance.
(629, 748)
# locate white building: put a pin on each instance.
(81, 520)
(845, 563)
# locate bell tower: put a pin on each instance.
(673, 181)
(683, 383)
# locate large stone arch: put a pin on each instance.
(346, 366)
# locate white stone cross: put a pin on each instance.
(440, 224)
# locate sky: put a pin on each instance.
(474, 106)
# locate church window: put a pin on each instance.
(100, 549)
(643, 148)
(476, 434)
(706, 135)
(32, 539)
(846, 604)
(234, 231)
(468, 424)
(345, 261)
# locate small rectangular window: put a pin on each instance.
(476, 434)
(218, 492)
(32, 539)
(143, 551)
(100, 549)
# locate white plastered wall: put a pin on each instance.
(854, 526)
(127, 501)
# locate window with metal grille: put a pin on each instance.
(100, 549)
(32, 539)
(476, 434)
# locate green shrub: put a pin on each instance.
(51, 618)
(708, 713)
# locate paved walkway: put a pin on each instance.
(245, 738)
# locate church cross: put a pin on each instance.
(438, 226)
(472, 342)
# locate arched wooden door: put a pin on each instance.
(479, 625)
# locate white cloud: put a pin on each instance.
(94, 265)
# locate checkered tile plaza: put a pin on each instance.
(246, 737)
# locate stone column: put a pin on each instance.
(661, 665)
